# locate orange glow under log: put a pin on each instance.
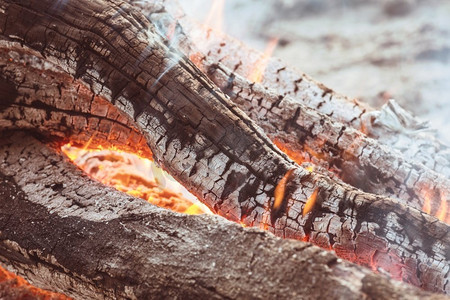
(298, 157)
(301, 158)
(134, 175)
(20, 288)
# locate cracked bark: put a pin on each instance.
(218, 153)
(39, 97)
(409, 138)
(151, 252)
(314, 134)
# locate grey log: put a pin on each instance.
(68, 233)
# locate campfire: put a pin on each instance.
(145, 155)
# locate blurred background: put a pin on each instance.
(372, 50)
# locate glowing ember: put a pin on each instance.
(296, 156)
(299, 157)
(303, 160)
(19, 288)
(310, 168)
(309, 205)
(280, 190)
(135, 175)
(256, 75)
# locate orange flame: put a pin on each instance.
(136, 176)
(442, 211)
(310, 168)
(257, 73)
(280, 190)
(197, 209)
(309, 205)
(215, 17)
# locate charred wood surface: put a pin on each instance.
(356, 159)
(312, 134)
(393, 127)
(90, 241)
(39, 97)
(222, 156)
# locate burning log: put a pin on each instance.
(307, 135)
(67, 117)
(196, 133)
(38, 96)
(152, 251)
(391, 125)
(358, 160)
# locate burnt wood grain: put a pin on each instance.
(200, 137)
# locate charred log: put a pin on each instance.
(391, 126)
(204, 141)
(358, 160)
(90, 241)
(39, 97)
(325, 138)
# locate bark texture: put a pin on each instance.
(90, 241)
(307, 135)
(203, 140)
(38, 96)
(403, 132)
